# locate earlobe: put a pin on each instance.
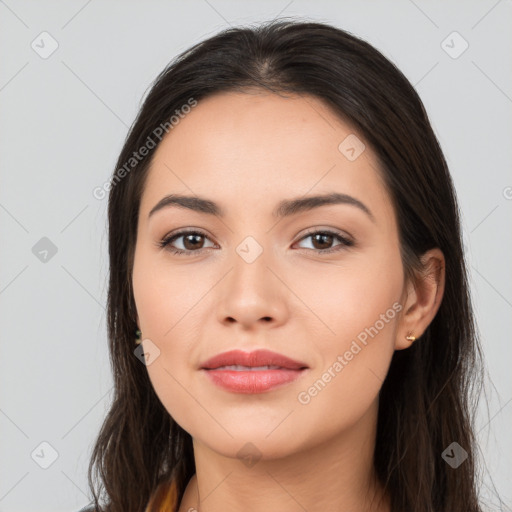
(423, 300)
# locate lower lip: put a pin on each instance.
(255, 381)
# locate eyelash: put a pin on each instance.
(165, 243)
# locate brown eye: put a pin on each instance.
(192, 242)
(322, 241)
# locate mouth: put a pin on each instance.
(241, 368)
(254, 372)
(252, 379)
(241, 360)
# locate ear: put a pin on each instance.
(423, 298)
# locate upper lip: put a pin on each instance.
(255, 358)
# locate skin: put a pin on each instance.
(247, 152)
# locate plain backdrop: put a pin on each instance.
(72, 77)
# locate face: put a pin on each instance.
(321, 283)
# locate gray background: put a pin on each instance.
(63, 122)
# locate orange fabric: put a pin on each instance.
(164, 499)
(170, 503)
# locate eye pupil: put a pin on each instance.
(186, 240)
(324, 238)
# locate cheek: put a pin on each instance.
(168, 303)
(343, 390)
(344, 298)
(164, 294)
(356, 310)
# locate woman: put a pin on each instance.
(285, 242)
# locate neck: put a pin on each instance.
(335, 475)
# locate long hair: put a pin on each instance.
(429, 397)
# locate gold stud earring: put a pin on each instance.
(138, 337)
(410, 338)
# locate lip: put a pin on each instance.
(252, 381)
(256, 358)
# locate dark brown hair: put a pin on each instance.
(429, 396)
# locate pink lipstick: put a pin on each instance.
(252, 372)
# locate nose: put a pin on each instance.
(252, 296)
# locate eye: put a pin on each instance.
(191, 242)
(323, 238)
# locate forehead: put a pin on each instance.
(249, 146)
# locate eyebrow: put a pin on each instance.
(285, 208)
